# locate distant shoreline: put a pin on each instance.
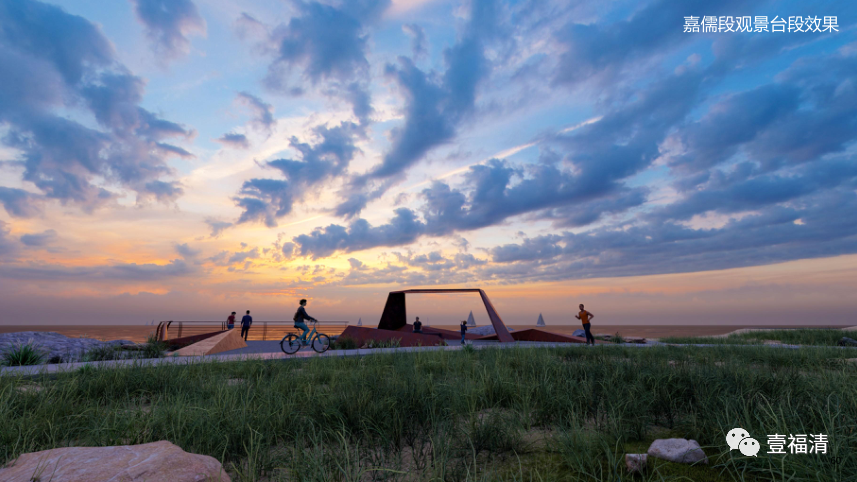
(140, 332)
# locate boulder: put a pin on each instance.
(153, 462)
(636, 463)
(845, 341)
(678, 450)
(579, 332)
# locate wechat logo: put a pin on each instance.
(740, 439)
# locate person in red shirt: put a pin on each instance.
(230, 322)
(586, 317)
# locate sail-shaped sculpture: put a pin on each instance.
(541, 321)
(359, 321)
(470, 320)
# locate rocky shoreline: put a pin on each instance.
(57, 348)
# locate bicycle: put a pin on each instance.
(292, 343)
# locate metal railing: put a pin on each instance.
(259, 331)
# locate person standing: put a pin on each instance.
(246, 321)
(230, 322)
(463, 330)
(300, 320)
(586, 317)
(418, 326)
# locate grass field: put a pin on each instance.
(808, 336)
(479, 415)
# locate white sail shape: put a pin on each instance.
(470, 320)
(541, 321)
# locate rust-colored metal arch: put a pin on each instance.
(395, 315)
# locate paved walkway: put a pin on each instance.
(270, 350)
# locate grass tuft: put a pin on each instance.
(22, 354)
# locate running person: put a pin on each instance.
(586, 317)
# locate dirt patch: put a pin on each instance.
(34, 388)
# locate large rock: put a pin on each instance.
(678, 450)
(579, 332)
(153, 462)
(845, 341)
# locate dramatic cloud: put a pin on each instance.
(727, 161)
(129, 272)
(40, 240)
(168, 24)
(266, 200)
(433, 109)
(404, 228)
(825, 225)
(7, 246)
(325, 43)
(52, 62)
(19, 203)
(263, 113)
(186, 252)
(238, 141)
(217, 227)
(418, 40)
(599, 53)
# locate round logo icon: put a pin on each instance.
(749, 447)
(735, 436)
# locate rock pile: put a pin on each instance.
(845, 341)
(55, 346)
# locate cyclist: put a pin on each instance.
(300, 320)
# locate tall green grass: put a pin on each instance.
(513, 414)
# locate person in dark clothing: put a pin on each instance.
(463, 330)
(418, 326)
(246, 321)
(300, 320)
(586, 317)
(230, 321)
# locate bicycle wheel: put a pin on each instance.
(320, 343)
(290, 344)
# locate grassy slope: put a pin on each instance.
(808, 336)
(520, 414)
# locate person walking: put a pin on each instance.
(418, 326)
(300, 320)
(230, 322)
(463, 330)
(246, 321)
(586, 317)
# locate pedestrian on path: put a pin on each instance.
(245, 325)
(463, 330)
(230, 322)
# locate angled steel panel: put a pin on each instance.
(395, 316)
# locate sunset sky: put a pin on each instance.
(181, 159)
